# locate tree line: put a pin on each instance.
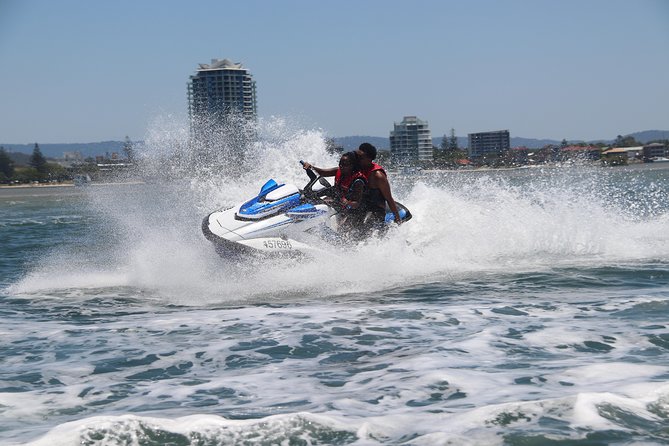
(38, 169)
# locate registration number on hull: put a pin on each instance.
(277, 244)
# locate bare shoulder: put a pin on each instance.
(379, 176)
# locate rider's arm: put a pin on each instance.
(356, 195)
(322, 172)
(384, 188)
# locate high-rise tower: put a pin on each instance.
(411, 141)
(222, 109)
(220, 90)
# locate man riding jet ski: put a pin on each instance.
(283, 220)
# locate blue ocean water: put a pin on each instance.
(518, 307)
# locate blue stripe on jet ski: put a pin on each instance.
(306, 210)
(256, 208)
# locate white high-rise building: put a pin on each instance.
(411, 141)
(219, 89)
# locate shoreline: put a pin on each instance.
(25, 191)
(48, 185)
(36, 186)
(650, 166)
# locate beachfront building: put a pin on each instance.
(222, 109)
(488, 144)
(220, 88)
(628, 154)
(653, 151)
(218, 91)
(411, 141)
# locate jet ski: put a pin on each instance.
(282, 220)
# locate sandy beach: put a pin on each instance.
(35, 186)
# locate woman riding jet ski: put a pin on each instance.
(349, 189)
(283, 220)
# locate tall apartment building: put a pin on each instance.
(488, 143)
(411, 141)
(218, 89)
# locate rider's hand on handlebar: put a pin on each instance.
(306, 165)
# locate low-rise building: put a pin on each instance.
(654, 150)
(630, 154)
(519, 156)
(615, 156)
(584, 153)
(485, 144)
(73, 156)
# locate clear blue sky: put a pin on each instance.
(86, 70)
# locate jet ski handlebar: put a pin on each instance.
(310, 171)
(325, 190)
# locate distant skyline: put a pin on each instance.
(81, 71)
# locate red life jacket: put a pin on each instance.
(344, 184)
(368, 172)
(373, 199)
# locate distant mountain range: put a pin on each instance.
(56, 150)
(347, 142)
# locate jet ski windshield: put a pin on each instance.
(272, 199)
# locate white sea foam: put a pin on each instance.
(481, 425)
(437, 371)
(464, 224)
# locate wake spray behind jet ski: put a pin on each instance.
(281, 220)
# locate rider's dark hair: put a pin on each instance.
(368, 150)
(353, 159)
